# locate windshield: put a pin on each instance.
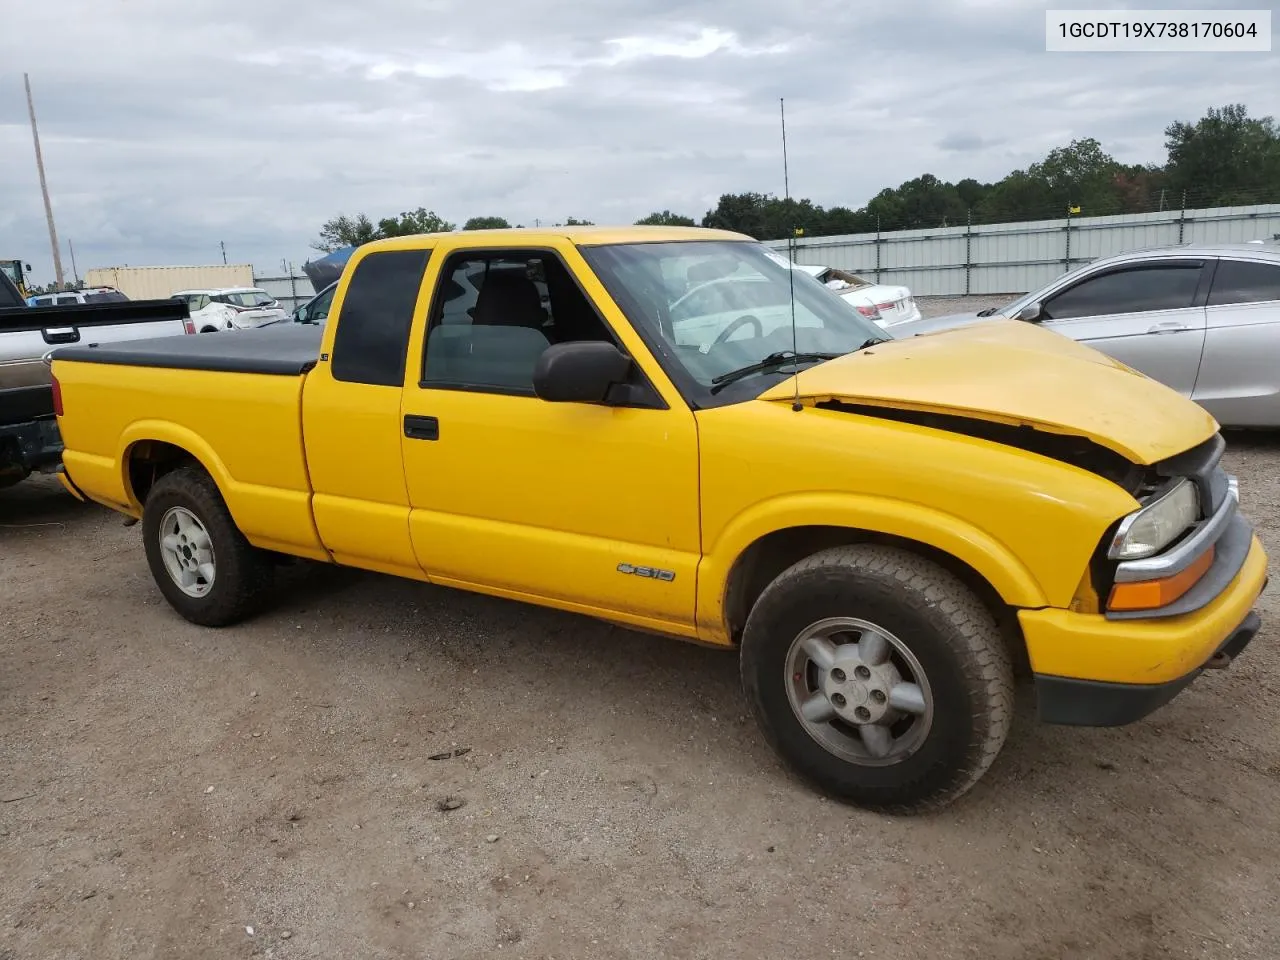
(12, 269)
(111, 296)
(317, 311)
(250, 298)
(717, 306)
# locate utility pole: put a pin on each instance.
(44, 187)
(223, 246)
(74, 272)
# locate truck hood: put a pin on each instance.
(1018, 374)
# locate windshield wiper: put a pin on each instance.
(990, 311)
(779, 359)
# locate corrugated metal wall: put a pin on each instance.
(158, 283)
(1017, 257)
(290, 291)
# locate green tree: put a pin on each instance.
(1019, 196)
(344, 231)
(666, 218)
(1225, 157)
(575, 222)
(486, 223)
(414, 222)
(1080, 175)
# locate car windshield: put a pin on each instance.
(718, 306)
(249, 298)
(107, 296)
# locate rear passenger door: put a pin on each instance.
(588, 507)
(1239, 381)
(1149, 315)
(351, 415)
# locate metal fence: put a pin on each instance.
(289, 290)
(1016, 257)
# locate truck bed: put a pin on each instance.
(280, 349)
(232, 400)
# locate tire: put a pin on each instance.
(941, 741)
(231, 580)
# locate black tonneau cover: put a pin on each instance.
(284, 349)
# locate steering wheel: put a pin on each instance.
(733, 328)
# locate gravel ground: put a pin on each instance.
(939, 306)
(289, 788)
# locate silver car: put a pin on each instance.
(1204, 320)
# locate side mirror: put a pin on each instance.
(1031, 313)
(580, 372)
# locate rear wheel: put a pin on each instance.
(879, 677)
(202, 563)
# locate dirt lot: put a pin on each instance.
(166, 788)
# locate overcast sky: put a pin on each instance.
(170, 125)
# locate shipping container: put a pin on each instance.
(158, 283)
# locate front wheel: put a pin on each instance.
(199, 559)
(879, 677)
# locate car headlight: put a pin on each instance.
(1148, 531)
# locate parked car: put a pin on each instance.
(879, 529)
(29, 439)
(885, 305)
(65, 298)
(232, 308)
(1204, 320)
(316, 310)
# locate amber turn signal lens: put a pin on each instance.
(1152, 594)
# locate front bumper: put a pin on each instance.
(1098, 661)
(1090, 703)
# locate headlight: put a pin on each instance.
(1155, 526)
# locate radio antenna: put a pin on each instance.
(796, 405)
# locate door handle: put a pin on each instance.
(421, 428)
(1169, 326)
(60, 334)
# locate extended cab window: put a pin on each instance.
(496, 311)
(377, 313)
(1135, 290)
(1243, 281)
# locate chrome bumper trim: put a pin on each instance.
(1176, 560)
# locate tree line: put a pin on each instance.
(1226, 158)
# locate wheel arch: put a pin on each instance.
(754, 552)
(154, 448)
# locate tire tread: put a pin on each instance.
(983, 657)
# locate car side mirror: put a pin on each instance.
(1031, 313)
(580, 372)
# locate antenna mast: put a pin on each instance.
(796, 405)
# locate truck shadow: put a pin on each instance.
(590, 671)
(39, 503)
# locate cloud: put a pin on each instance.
(178, 126)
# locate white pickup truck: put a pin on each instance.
(29, 439)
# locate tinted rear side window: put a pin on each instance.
(1242, 281)
(377, 312)
(1135, 290)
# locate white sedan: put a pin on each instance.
(231, 308)
(882, 304)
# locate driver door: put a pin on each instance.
(587, 507)
(1149, 315)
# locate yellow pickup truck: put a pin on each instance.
(674, 430)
